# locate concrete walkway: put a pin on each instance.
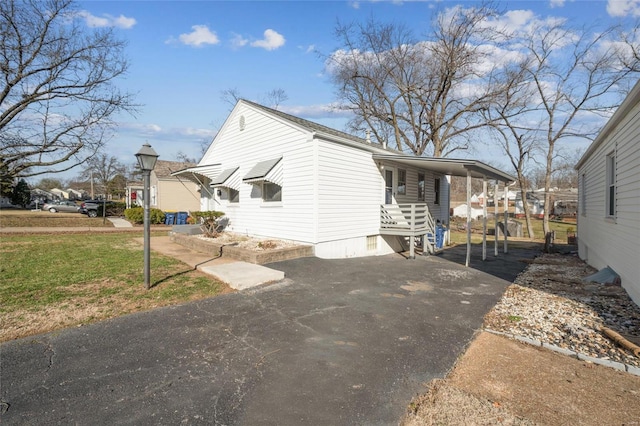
(338, 342)
(238, 275)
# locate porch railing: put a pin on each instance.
(409, 220)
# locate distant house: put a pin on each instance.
(60, 194)
(171, 193)
(609, 196)
(535, 204)
(461, 211)
(275, 175)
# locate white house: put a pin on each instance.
(461, 211)
(609, 196)
(279, 176)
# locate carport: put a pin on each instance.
(471, 169)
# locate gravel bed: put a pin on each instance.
(550, 303)
(249, 243)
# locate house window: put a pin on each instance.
(271, 192)
(611, 185)
(372, 242)
(436, 190)
(234, 195)
(583, 195)
(153, 200)
(420, 186)
(402, 182)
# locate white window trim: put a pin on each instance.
(268, 202)
(583, 194)
(424, 188)
(404, 183)
(437, 191)
(610, 170)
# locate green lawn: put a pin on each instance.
(560, 228)
(59, 280)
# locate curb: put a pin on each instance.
(611, 364)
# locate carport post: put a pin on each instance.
(468, 260)
(506, 215)
(484, 218)
(495, 217)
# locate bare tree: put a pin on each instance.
(422, 97)
(272, 98)
(573, 73)
(230, 96)
(102, 169)
(516, 138)
(275, 97)
(56, 87)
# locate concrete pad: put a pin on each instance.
(119, 222)
(243, 275)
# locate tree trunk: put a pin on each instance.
(525, 205)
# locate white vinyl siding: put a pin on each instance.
(266, 138)
(603, 241)
(350, 192)
(438, 211)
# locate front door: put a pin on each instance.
(388, 186)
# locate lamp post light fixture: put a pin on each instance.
(147, 161)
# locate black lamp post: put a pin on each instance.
(147, 160)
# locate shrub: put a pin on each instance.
(156, 216)
(208, 215)
(113, 208)
(136, 215)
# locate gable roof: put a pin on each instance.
(164, 169)
(319, 128)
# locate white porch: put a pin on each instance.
(409, 220)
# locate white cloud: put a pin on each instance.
(316, 111)
(237, 41)
(200, 35)
(355, 4)
(155, 132)
(271, 41)
(623, 8)
(556, 3)
(106, 20)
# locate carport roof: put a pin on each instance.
(449, 166)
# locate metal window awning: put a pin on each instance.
(449, 166)
(227, 179)
(201, 175)
(269, 170)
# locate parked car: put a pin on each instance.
(62, 206)
(92, 207)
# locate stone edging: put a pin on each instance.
(612, 364)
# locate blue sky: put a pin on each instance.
(184, 53)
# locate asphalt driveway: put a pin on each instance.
(337, 342)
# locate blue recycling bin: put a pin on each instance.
(169, 218)
(439, 236)
(181, 219)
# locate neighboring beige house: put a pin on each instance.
(170, 193)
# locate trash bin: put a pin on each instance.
(439, 236)
(181, 219)
(169, 218)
